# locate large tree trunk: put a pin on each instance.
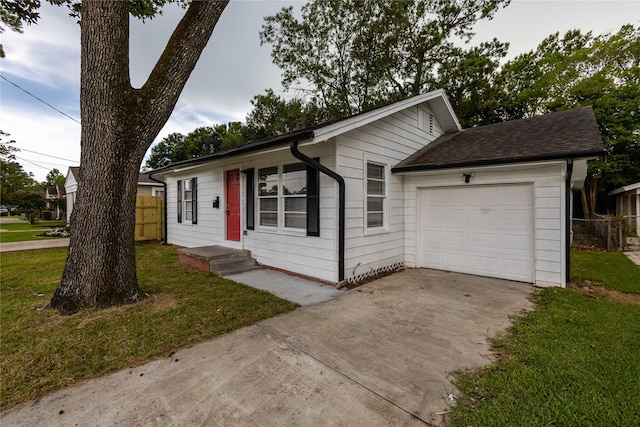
(119, 123)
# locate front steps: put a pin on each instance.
(218, 259)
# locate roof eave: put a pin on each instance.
(284, 140)
(492, 162)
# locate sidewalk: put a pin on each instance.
(634, 256)
(33, 244)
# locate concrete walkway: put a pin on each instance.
(379, 355)
(285, 286)
(34, 244)
(634, 256)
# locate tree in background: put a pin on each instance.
(177, 147)
(272, 115)
(119, 123)
(13, 178)
(576, 70)
(54, 177)
(31, 203)
(354, 55)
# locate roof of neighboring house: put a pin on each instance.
(561, 135)
(55, 191)
(143, 178)
(625, 189)
(75, 170)
(437, 100)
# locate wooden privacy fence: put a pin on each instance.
(149, 218)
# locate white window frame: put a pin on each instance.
(384, 227)
(281, 202)
(187, 214)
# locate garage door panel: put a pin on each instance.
(456, 239)
(433, 259)
(457, 217)
(515, 195)
(520, 242)
(485, 264)
(485, 240)
(486, 217)
(485, 230)
(457, 261)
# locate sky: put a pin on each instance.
(44, 60)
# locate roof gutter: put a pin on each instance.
(164, 219)
(293, 146)
(568, 220)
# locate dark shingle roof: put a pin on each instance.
(565, 134)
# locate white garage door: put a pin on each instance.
(484, 229)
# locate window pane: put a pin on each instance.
(268, 181)
(295, 220)
(374, 220)
(295, 204)
(375, 171)
(269, 219)
(187, 184)
(375, 204)
(294, 179)
(187, 211)
(187, 195)
(375, 187)
(269, 205)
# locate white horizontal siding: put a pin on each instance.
(386, 141)
(295, 252)
(548, 182)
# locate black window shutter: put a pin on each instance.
(179, 201)
(313, 201)
(194, 200)
(251, 198)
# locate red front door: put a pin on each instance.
(233, 204)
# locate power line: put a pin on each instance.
(39, 99)
(34, 164)
(43, 154)
(44, 163)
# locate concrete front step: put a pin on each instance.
(218, 259)
(233, 265)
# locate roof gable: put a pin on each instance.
(565, 134)
(437, 101)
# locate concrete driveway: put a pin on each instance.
(381, 354)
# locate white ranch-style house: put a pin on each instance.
(399, 186)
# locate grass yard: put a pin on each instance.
(23, 231)
(574, 361)
(42, 351)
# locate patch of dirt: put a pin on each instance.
(153, 303)
(597, 290)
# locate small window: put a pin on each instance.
(376, 195)
(268, 196)
(294, 192)
(187, 201)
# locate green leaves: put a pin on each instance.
(355, 55)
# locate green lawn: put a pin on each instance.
(42, 351)
(23, 231)
(573, 361)
(613, 269)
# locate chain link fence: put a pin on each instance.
(603, 232)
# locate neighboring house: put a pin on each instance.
(52, 194)
(628, 204)
(146, 187)
(419, 192)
